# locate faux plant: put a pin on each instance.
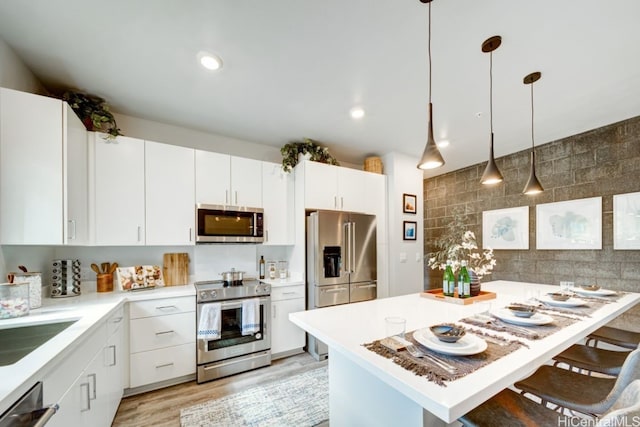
(93, 111)
(457, 244)
(291, 151)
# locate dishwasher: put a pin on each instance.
(28, 411)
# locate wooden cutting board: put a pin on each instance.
(175, 269)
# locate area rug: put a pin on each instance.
(300, 400)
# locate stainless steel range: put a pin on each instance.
(229, 351)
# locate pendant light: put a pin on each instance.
(431, 157)
(491, 173)
(533, 185)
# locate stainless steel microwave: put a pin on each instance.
(229, 224)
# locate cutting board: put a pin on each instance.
(175, 269)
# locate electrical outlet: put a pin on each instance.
(403, 257)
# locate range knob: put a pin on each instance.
(214, 294)
(203, 295)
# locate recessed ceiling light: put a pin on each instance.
(356, 113)
(210, 61)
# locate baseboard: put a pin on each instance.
(161, 384)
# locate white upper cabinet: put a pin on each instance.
(278, 204)
(228, 180)
(337, 188)
(117, 194)
(170, 194)
(36, 163)
(76, 168)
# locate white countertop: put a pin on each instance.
(89, 309)
(345, 328)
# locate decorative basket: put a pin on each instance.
(373, 164)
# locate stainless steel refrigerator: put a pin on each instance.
(341, 263)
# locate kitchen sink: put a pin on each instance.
(19, 341)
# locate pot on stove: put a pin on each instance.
(232, 277)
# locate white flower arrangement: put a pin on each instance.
(456, 245)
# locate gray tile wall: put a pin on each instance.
(601, 162)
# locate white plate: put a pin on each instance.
(599, 292)
(571, 302)
(535, 320)
(465, 346)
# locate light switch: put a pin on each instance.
(403, 257)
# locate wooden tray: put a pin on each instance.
(437, 295)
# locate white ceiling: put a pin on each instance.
(294, 68)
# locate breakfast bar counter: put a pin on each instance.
(368, 389)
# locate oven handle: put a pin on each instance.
(238, 304)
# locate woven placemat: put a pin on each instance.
(497, 347)
(541, 331)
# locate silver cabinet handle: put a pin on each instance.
(236, 193)
(167, 307)
(94, 380)
(190, 234)
(164, 332)
(335, 202)
(117, 320)
(72, 224)
(266, 235)
(341, 202)
(274, 311)
(166, 365)
(289, 293)
(113, 349)
(226, 197)
(88, 408)
(139, 234)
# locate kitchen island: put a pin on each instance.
(368, 389)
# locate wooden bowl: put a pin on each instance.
(521, 310)
(558, 296)
(590, 287)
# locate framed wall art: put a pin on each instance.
(626, 221)
(506, 228)
(575, 224)
(409, 202)
(409, 230)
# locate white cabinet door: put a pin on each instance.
(117, 196)
(76, 180)
(320, 186)
(31, 169)
(114, 365)
(375, 187)
(285, 335)
(351, 194)
(278, 204)
(170, 194)
(246, 178)
(213, 178)
(72, 404)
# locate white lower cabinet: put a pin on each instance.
(286, 338)
(162, 344)
(88, 384)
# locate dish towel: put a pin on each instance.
(250, 316)
(209, 325)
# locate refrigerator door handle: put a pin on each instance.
(347, 247)
(353, 247)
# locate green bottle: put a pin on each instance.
(464, 282)
(448, 281)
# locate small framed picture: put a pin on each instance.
(409, 230)
(409, 203)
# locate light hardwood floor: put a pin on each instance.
(162, 407)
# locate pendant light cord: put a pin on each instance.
(429, 50)
(491, 91)
(532, 138)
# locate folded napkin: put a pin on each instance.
(250, 316)
(209, 325)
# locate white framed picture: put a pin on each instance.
(506, 228)
(574, 224)
(626, 221)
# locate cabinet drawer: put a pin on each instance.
(159, 365)
(287, 292)
(115, 321)
(160, 307)
(151, 333)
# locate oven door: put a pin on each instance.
(231, 342)
(216, 223)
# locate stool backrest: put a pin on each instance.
(629, 373)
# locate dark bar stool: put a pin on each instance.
(592, 359)
(615, 336)
(509, 408)
(587, 394)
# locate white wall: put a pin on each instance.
(406, 260)
(14, 74)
